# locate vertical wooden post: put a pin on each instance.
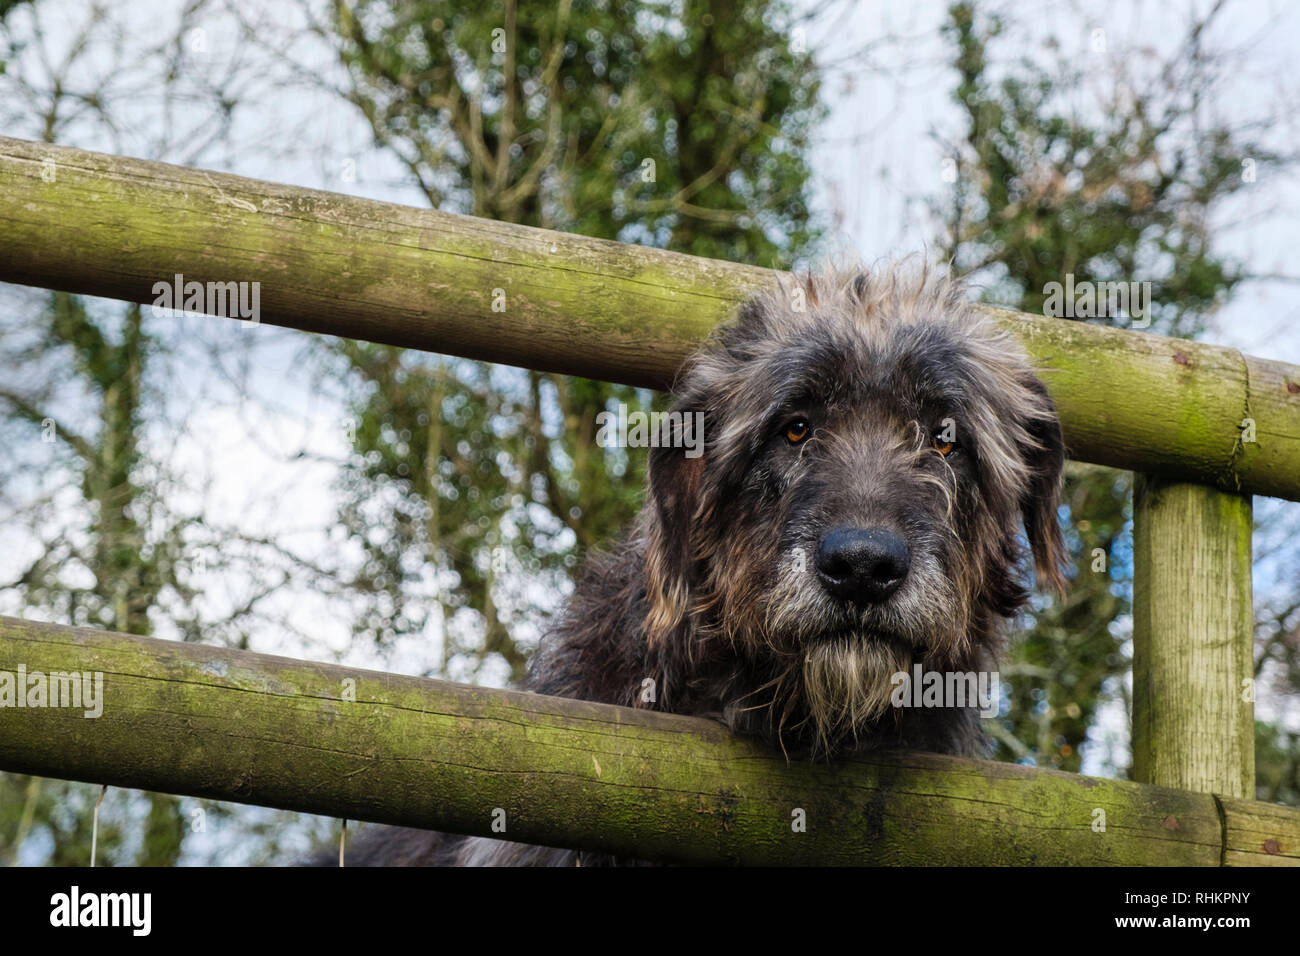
(1193, 627)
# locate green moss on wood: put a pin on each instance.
(424, 279)
(1193, 630)
(231, 725)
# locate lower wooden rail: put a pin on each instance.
(251, 728)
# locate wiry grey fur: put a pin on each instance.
(712, 595)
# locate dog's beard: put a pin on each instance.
(847, 683)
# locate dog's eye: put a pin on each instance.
(943, 445)
(797, 430)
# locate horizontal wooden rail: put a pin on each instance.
(251, 728)
(111, 226)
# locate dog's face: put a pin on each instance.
(870, 459)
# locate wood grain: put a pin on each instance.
(250, 728)
(113, 226)
(1193, 633)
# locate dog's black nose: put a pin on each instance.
(862, 564)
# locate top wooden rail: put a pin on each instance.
(112, 226)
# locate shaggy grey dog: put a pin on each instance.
(873, 448)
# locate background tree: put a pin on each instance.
(104, 524)
(669, 124)
(478, 481)
(1108, 171)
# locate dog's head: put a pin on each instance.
(874, 447)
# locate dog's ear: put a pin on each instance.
(676, 473)
(1042, 497)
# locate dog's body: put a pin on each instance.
(872, 446)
